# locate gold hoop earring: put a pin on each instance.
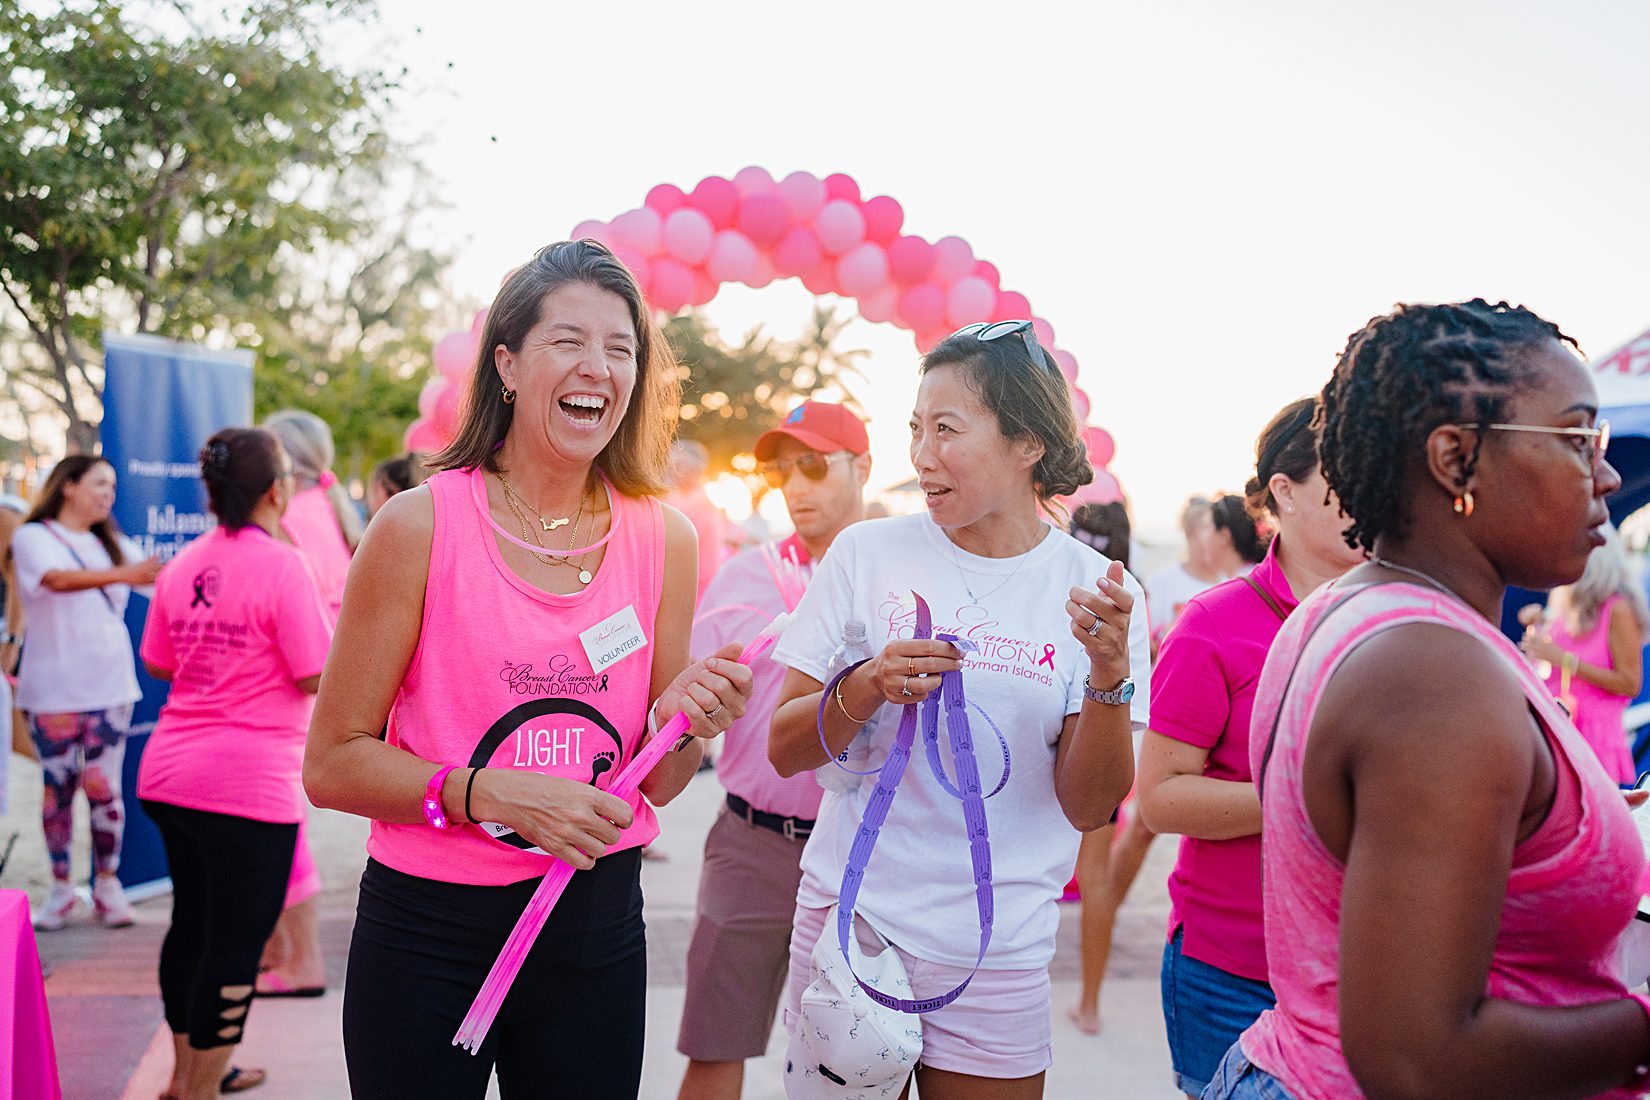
(1464, 504)
(508, 394)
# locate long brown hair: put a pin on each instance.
(51, 500)
(635, 458)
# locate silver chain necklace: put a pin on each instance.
(1434, 581)
(973, 600)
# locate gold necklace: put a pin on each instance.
(517, 504)
(547, 524)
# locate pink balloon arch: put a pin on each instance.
(752, 229)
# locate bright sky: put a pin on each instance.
(1203, 197)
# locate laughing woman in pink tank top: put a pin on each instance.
(1447, 868)
(521, 622)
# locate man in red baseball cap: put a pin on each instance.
(737, 963)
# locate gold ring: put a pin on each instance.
(910, 666)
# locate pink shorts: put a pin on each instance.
(998, 1028)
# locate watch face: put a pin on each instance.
(1126, 692)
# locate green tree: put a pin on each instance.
(733, 392)
(162, 169)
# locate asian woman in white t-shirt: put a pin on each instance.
(78, 681)
(994, 442)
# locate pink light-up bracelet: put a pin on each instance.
(432, 799)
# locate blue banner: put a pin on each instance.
(161, 402)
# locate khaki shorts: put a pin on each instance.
(740, 954)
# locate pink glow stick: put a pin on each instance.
(490, 998)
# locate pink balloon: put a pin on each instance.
(798, 254)
(1067, 363)
(717, 199)
(803, 195)
(883, 218)
(953, 259)
(448, 405)
(968, 301)
(732, 258)
(480, 323)
(1011, 306)
(840, 227)
(862, 271)
(423, 437)
(922, 307)
(638, 230)
(842, 186)
(1104, 489)
(751, 181)
(666, 198)
(1044, 330)
(910, 260)
(428, 395)
(595, 230)
(927, 340)
(640, 266)
(763, 218)
(1101, 447)
(822, 280)
(704, 289)
(1080, 405)
(763, 275)
(883, 305)
(687, 236)
(672, 284)
(455, 355)
(985, 269)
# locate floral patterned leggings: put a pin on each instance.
(82, 750)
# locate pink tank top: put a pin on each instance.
(1573, 887)
(502, 679)
(1597, 713)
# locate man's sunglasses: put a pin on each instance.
(811, 464)
(996, 330)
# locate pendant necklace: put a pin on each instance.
(1434, 581)
(517, 503)
(974, 601)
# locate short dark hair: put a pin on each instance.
(238, 466)
(1105, 527)
(1030, 400)
(403, 472)
(634, 459)
(1401, 377)
(1286, 446)
(50, 502)
(1230, 513)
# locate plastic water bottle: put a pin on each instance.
(856, 646)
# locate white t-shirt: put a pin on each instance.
(1028, 676)
(1168, 591)
(77, 654)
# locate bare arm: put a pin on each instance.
(1626, 675)
(137, 574)
(346, 766)
(1176, 797)
(1094, 762)
(1426, 791)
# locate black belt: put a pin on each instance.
(791, 828)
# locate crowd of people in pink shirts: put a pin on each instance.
(1406, 858)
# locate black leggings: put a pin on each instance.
(573, 1021)
(229, 878)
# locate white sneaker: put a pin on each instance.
(59, 904)
(112, 907)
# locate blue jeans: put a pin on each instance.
(1237, 1079)
(1205, 1009)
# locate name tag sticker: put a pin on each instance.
(613, 639)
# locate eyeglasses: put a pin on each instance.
(996, 330)
(1597, 437)
(811, 464)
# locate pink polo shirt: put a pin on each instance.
(1203, 690)
(741, 600)
(237, 622)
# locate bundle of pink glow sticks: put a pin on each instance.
(490, 998)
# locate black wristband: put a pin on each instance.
(469, 785)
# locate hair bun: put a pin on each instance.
(215, 460)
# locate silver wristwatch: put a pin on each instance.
(1116, 697)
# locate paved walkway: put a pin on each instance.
(112, 1045)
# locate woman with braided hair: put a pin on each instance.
(1447, 867)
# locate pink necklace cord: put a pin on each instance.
(490, 998)
(478, 493)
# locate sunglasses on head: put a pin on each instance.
(996, 330)
(811, 464)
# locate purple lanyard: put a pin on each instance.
(882, 799)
